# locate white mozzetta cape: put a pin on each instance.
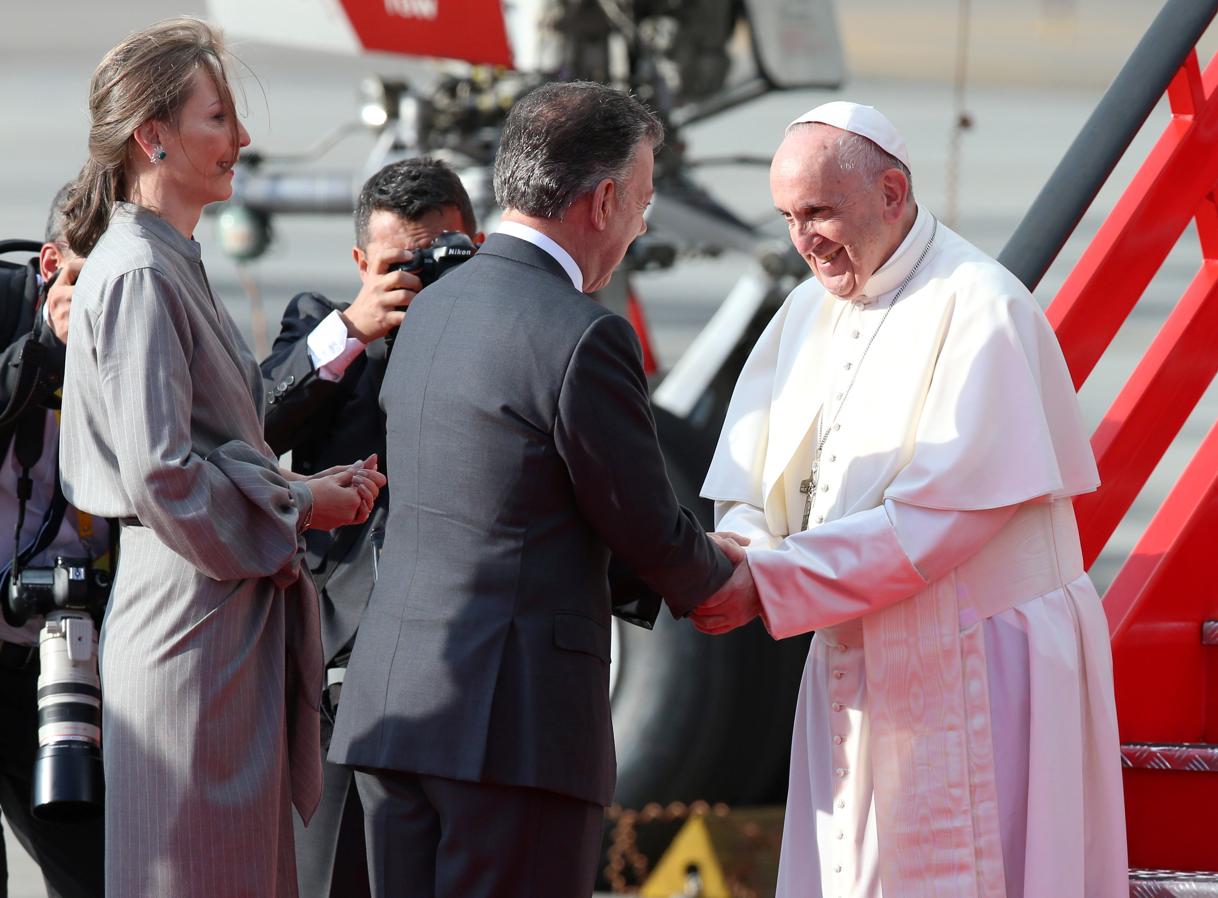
(961, 407)
(963, 401)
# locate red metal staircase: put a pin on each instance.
(1162, 606)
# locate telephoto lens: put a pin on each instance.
(68, 781)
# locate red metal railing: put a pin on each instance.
(1174, 185)
(1166, 678)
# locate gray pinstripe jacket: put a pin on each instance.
(210, 623)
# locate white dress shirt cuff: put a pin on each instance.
(331, 350)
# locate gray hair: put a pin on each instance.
(57, 222)
(861, 154)
(562, 139)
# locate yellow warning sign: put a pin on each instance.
(689, 868)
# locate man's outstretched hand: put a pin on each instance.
(736, 602)
(730, 544)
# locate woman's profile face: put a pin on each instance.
(199, 147)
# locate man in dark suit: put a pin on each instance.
(522, 452)
(324, 374)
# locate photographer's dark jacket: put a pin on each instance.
(31, 370)
(22, 323)
(325, 423)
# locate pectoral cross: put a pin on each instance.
(808, 487)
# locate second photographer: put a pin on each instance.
(413, 222)
(37, 529)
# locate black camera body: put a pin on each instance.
(71, 584)
(429, 263)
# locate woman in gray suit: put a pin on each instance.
(210, 649)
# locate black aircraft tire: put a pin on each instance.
(694, 716)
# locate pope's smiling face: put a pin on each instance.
(843, 224)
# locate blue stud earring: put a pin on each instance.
(158, 153)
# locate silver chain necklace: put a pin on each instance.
(808, 487)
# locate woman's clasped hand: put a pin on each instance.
(345, 494)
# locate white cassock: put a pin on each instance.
(956, 729)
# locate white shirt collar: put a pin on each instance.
(538, 239)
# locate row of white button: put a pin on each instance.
(838, 739)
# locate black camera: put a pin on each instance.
(448, 250)
(71, 585)
(72, 594)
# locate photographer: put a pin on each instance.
(35, 309)
(323, 378)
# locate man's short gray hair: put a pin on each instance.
(858, 153)
(562, 139)
(56, 222)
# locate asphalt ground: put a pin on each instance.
(1037, 68)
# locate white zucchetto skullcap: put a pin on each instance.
(858, 119)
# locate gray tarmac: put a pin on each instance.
(1037, 69)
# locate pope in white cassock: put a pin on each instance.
(900, 452)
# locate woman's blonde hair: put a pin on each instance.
(147, 76)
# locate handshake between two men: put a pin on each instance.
(475, 709)
(736, 602)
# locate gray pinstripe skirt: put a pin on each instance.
(194, 743)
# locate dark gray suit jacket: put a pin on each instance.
(522, 451)
(325, 423)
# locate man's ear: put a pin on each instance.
(49, 260)
(147, 136)
(361, 261)
(604, 201)
(895, 187)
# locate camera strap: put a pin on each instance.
(33, 356)
(30, 364)
(27, 449)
